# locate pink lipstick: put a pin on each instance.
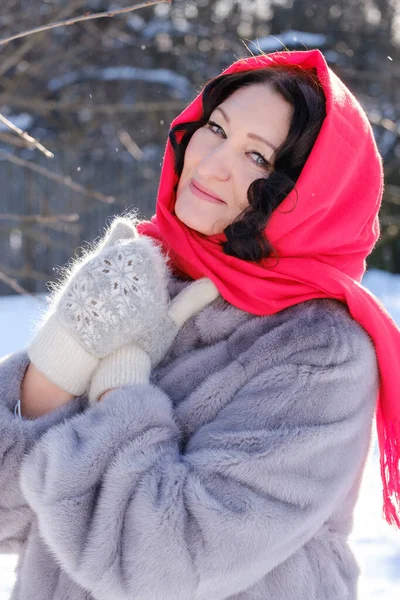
(202, 192)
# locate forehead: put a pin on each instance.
(258, 107)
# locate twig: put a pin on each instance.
(14, 285)
(384, 122)
(45, 106)
(64, 223)
(62, 179)
(25, 136)
(90, 17)
(11, 139)
(130, 145)
(393, 189)
(27, 273)
(71, 218)
(27, 46)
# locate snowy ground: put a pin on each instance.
(377, 546)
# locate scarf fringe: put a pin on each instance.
(389, 445)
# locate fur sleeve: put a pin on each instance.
(16, 438)
(131, 513)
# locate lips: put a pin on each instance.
(202, 192)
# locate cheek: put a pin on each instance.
(242, 184)
(194, 152)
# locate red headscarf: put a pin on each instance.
(322, 243)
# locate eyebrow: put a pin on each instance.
(253, 136)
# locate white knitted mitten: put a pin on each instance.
(113, 296)
(132, 363)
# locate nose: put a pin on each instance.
(215, 164)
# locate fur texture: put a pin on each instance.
(233, 474)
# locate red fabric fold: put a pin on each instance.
(323, 232)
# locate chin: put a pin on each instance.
(193, 223)
(198, 215)
(192, 219)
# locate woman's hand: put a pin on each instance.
(39, 395)
(132, 363)
(115, 295)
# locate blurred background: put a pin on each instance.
(100, 96)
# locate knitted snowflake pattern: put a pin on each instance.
(117, 296)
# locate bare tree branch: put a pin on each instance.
(27, 273)
(62, 179)
(25, 136)
(45, 106)
(11, 139)
(130, 145)
(90, 17)
(72, 218)
(14, 285)
(19, 54)
(394, 190)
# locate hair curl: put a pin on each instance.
(245, 237)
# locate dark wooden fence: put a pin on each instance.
(29, 252)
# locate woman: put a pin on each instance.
(221, 450)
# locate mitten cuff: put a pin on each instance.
(126, 366)
(58, 355)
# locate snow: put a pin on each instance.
(290, 39)
(156, 26)
(18, 315)
(180, 86)
(376, 545)
(387, 288)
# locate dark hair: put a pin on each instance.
(246, 235)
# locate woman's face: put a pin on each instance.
(225, 156)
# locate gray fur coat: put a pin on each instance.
(234, 474)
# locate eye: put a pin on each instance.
(215, 128)
(260, 160)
